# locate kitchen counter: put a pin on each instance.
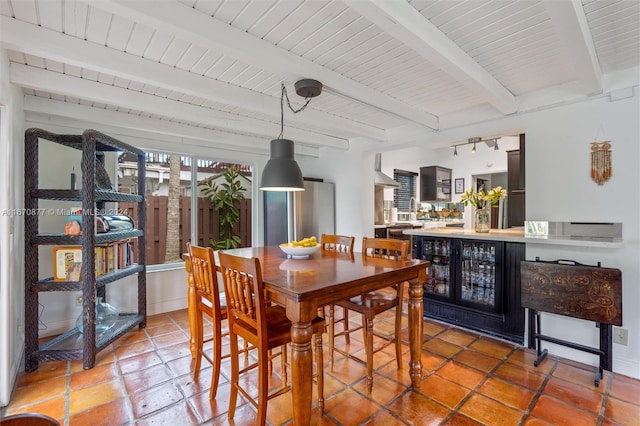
(515, 235)
(426, 224)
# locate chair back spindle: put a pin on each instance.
(204, 274)
(339, 243)
(244, 291)
(388, 248)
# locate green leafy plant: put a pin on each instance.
(482, 200)
(225, 199)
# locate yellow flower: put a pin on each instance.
(481, 200)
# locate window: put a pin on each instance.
(168, 219)
(402, 196)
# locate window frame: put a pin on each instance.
(409, 186)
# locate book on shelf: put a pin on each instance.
(67, 265)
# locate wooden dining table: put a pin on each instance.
(326, 277)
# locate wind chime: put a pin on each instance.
(600, 161)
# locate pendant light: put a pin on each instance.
(282, 173)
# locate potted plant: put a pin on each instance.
(225, 199)
(482, 202)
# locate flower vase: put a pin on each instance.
(483, 220)
(106, 317)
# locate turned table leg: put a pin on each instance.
(416, 313)
(301, 366)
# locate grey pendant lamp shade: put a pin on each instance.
(282, 173)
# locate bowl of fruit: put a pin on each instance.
(301, 249)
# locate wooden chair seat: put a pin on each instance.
(371, 304)
(375, 301)
(265, 326)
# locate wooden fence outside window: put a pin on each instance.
(208, 219)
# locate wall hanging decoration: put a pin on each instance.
(600, 161)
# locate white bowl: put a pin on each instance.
(299, 252)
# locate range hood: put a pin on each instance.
(379, 178)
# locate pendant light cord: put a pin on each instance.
(283, 95)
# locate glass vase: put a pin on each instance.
(106, 317)
(483, 220)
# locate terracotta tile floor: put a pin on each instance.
(468, 379)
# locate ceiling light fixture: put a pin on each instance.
(474, 141)
(282, 173)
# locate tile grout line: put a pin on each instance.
(173, 379)
(540, 391)
(127, 400)
(67, 396)
(605, 397)
(187, 401)
(487, 375)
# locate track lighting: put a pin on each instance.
(475, 140)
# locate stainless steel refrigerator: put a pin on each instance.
(292, 216)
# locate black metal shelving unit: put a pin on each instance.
(73, 344)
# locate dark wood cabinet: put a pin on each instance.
(516, 186)
(435, 184)
(515, 176)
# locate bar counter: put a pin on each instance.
(516, 235)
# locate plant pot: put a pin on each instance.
(483, 220)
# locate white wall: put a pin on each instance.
(559, 188)
(349, 171)
(11, 242)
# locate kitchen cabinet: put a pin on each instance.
(475, 284)
(380, 232)
(435, 184)
(76, 344)
(516, 187)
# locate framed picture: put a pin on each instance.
(459, 185)
(67, 263)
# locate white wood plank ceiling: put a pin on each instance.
(212, 69)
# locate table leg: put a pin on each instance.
(415, 318)
(301, 368)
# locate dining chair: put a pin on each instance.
(211, 302)
(263, 325)
(341, 244)
(373, 303)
